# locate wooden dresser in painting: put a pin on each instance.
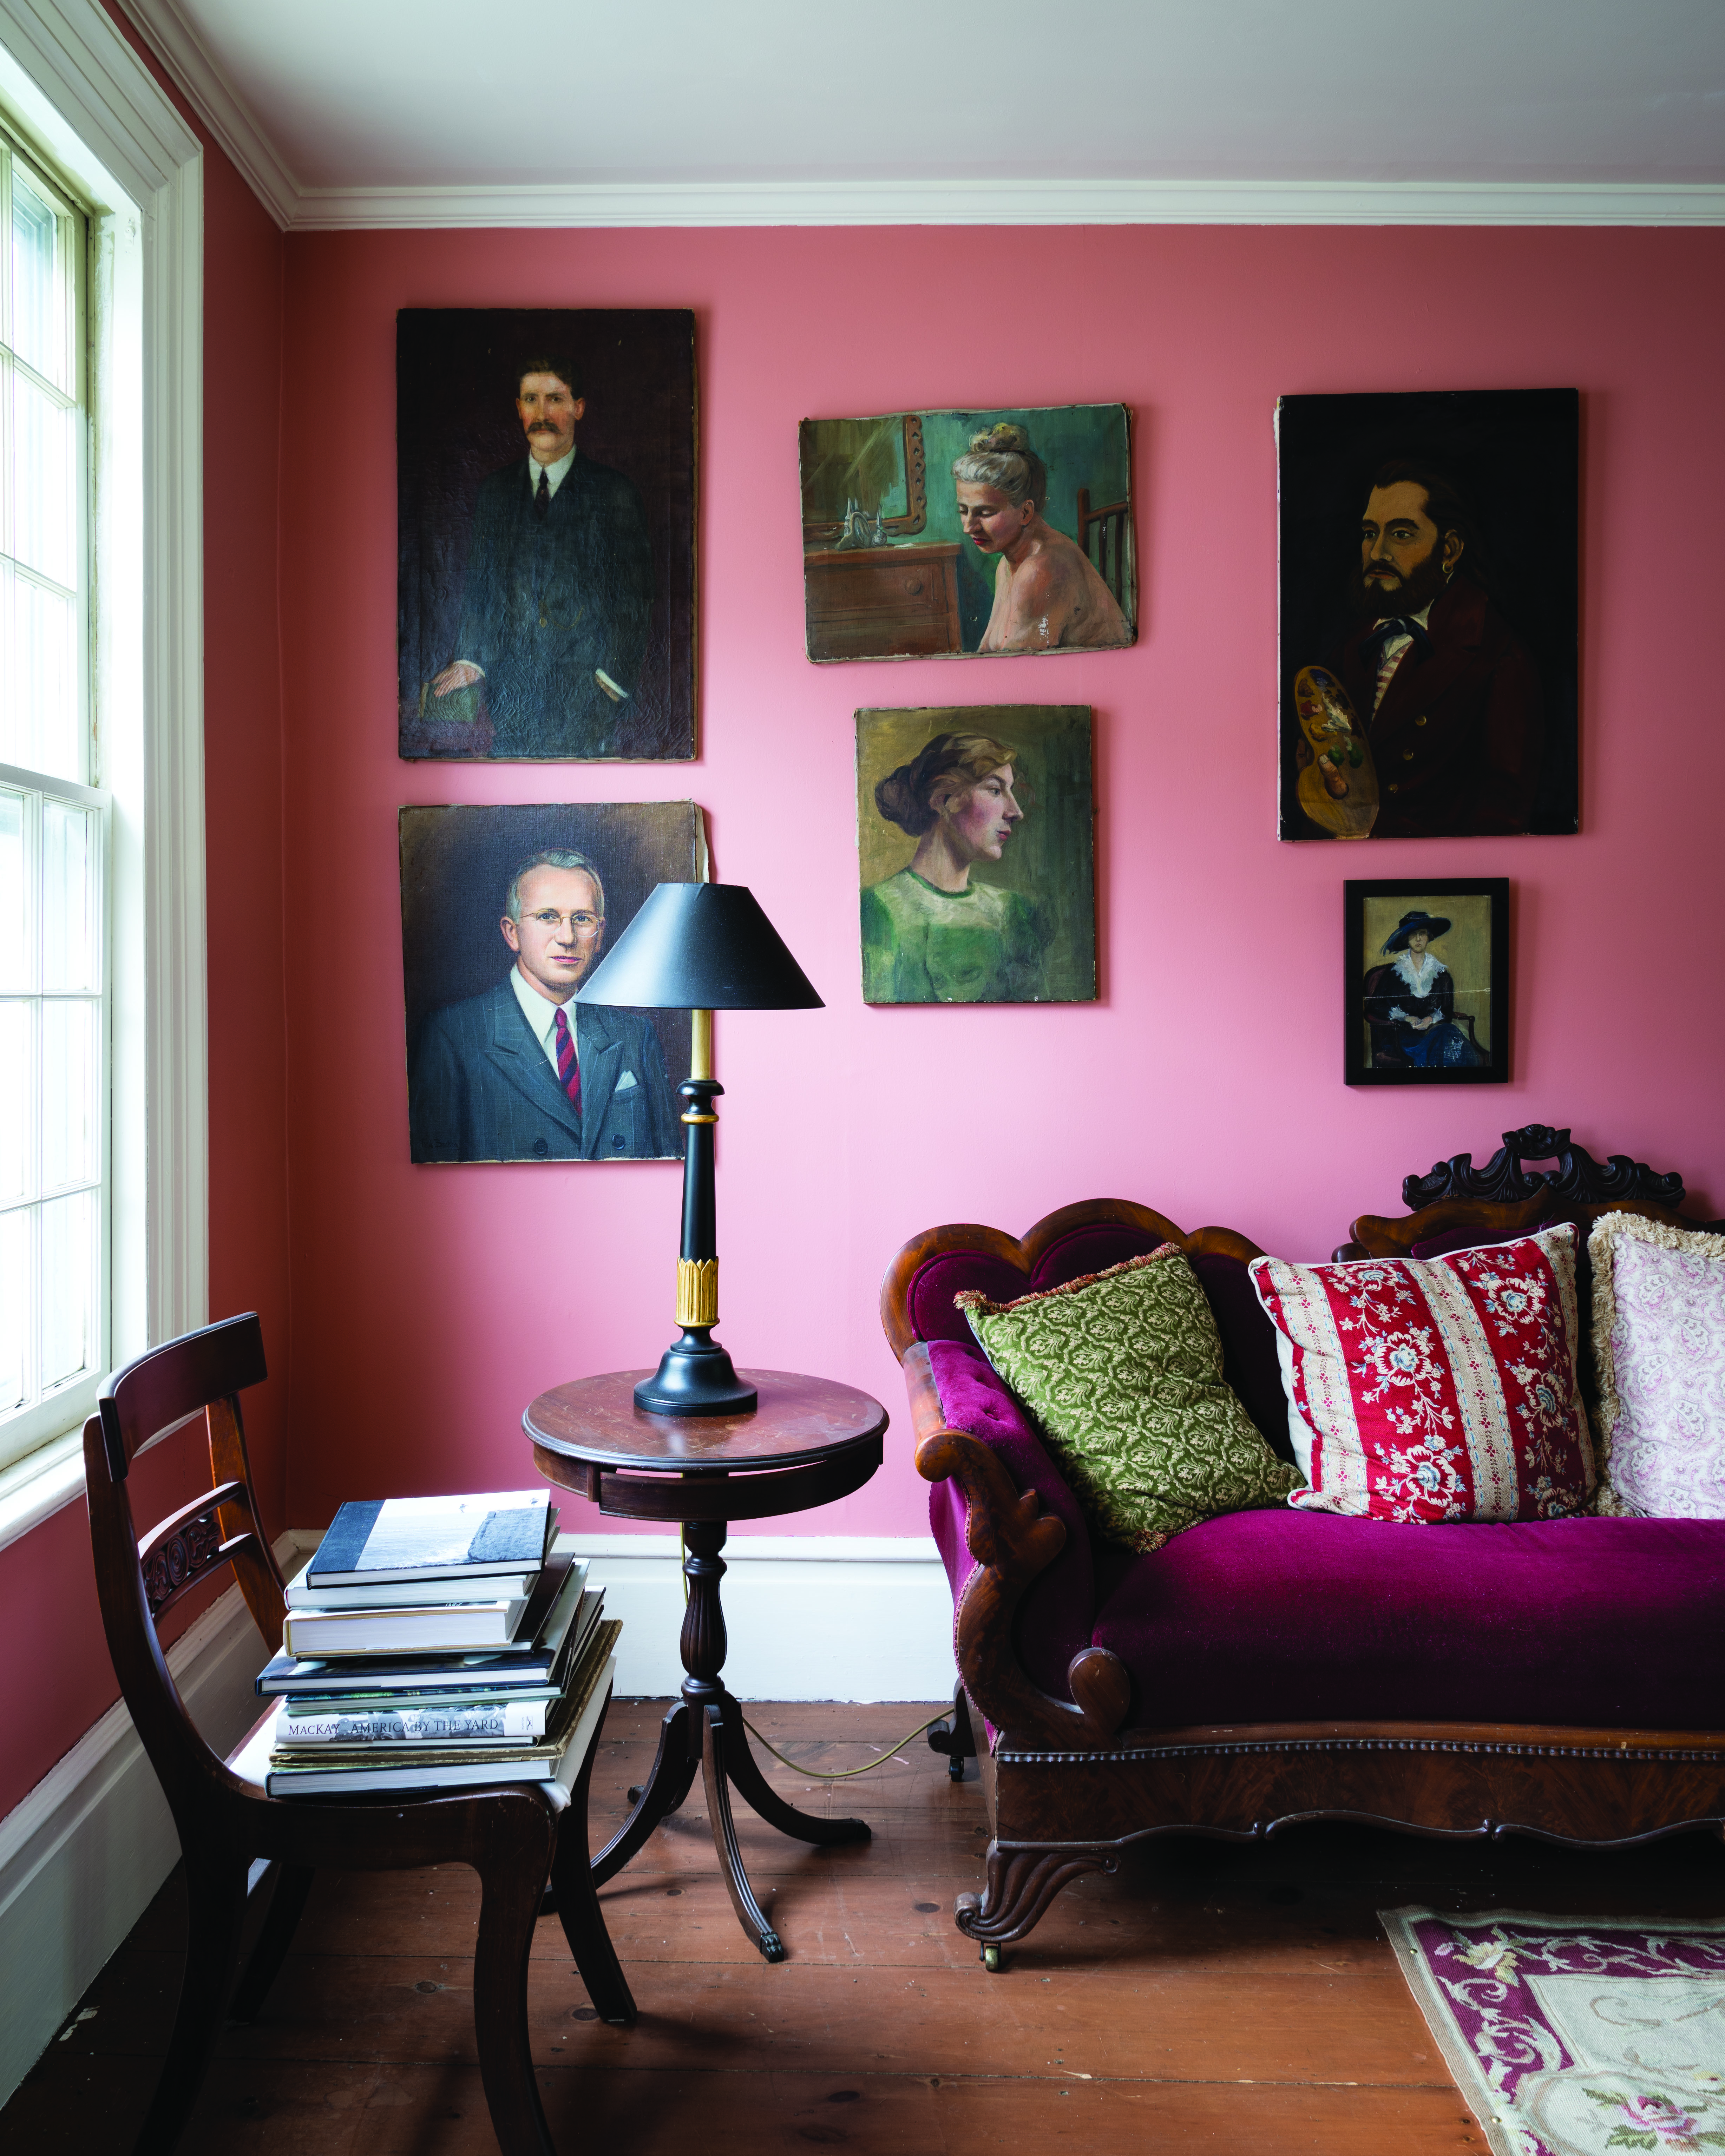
(864, 601)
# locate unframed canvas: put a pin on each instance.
(1026, 547)
(481, 1036)
(975, 829)
(1429, 609)
(560, 627)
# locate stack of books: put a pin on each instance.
(438, 1643)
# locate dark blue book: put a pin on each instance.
(377, 1542)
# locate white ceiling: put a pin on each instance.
(338, 97)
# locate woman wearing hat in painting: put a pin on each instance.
(1410, 1002)
(930, 934)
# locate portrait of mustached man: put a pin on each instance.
(1438, 584)
(546, 501)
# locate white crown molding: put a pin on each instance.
(100, 89)
(1008, 203)
(194, 73)
(599, 205)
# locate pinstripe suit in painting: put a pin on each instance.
(482, 1089)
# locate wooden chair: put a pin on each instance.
(509, 1834)
(1109, 554)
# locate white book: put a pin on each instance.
(456, 1628)
(575, 1610)
(415, 1593)
(379, 1541)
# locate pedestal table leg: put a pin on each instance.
(673, 1766)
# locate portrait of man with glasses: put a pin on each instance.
(519, 1071)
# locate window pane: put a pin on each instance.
(43, 502)
(69, 1270)
(15, 1305)
(71, 1092)
(37, 322)
(39, 725)
(71, 930)
(14, 958)
(17, 1073)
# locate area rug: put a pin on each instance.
(1575, 2036)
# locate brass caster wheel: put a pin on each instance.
(991, 1960)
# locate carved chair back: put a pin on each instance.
(1104, 534)
(1457, 1204)
(1508, 1196)
(139, 1579)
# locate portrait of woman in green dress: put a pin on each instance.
(933, 933)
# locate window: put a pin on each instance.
(104, 1238)
(54, 834)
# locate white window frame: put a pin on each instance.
(86, 101)
(46, 1417)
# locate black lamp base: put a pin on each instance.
(695, 1377)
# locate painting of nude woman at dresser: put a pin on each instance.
(975, 836)
(930, 534)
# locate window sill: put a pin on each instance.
(40, 1483)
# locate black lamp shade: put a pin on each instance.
(700, 947)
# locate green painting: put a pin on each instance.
(975, 839)
(955, 534)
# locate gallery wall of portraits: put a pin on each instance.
(1198, 1069)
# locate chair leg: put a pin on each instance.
(215, 1915)
(953, 1737)
(579, 1910)
(287, 1901)
(512, 1875)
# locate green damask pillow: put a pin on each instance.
(1121, 1372)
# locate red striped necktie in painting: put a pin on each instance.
(568, 1069)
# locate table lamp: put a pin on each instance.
(699, 948)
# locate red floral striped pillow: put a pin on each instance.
(1442, 1389)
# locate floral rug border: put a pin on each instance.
(1513, 2067)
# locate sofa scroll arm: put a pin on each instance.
(1013, 1540)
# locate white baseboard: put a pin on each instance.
(818, 1617)
(849, 1617)
(85, 1852)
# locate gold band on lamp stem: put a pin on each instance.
(698, 1278)
(697, 1290)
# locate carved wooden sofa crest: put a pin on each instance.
(1272, 1666)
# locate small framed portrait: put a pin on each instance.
(946, 535)
(545, 465)
(1428, 652)
(975, 833)
(505, 912)
(1427, 983)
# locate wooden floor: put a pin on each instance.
(1208, 1996)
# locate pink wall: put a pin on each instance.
(56, 1678)
(431, 1304)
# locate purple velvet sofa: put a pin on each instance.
(1558, 1679)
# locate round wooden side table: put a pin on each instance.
(807, 1442)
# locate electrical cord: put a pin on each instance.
(845, 1773)
(815, 1774)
